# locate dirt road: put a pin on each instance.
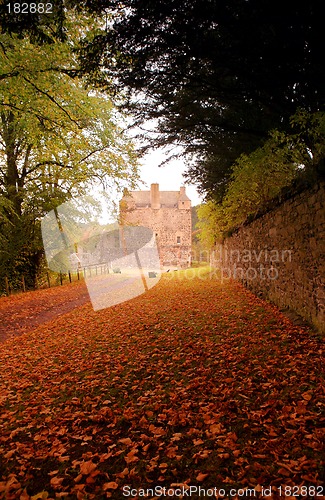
(23, 312)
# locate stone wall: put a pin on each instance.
(280, 256)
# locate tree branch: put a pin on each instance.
(9, 75)
(53, 100)
(93, 152)
(38, 116)
(49, 162)
(28, 150)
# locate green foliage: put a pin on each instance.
(200, 250)
(211, 223)
(258, 178)
(216, 76)
(62, 133)
(308, 138)
(57, 138)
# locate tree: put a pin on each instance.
(259, 179)
(41, 27)
(56, 138)
(215, 76)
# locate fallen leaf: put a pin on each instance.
(110, 486)
(200, 477)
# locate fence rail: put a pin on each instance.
(50, 278)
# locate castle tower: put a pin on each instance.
(183, 201)
(168, 214)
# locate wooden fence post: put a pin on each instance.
(7, 286)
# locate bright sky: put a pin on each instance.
(169, 177)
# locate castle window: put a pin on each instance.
(178, 240)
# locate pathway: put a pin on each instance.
(23, 312)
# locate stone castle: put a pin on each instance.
(168, 214)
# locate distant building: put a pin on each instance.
(168, 214)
